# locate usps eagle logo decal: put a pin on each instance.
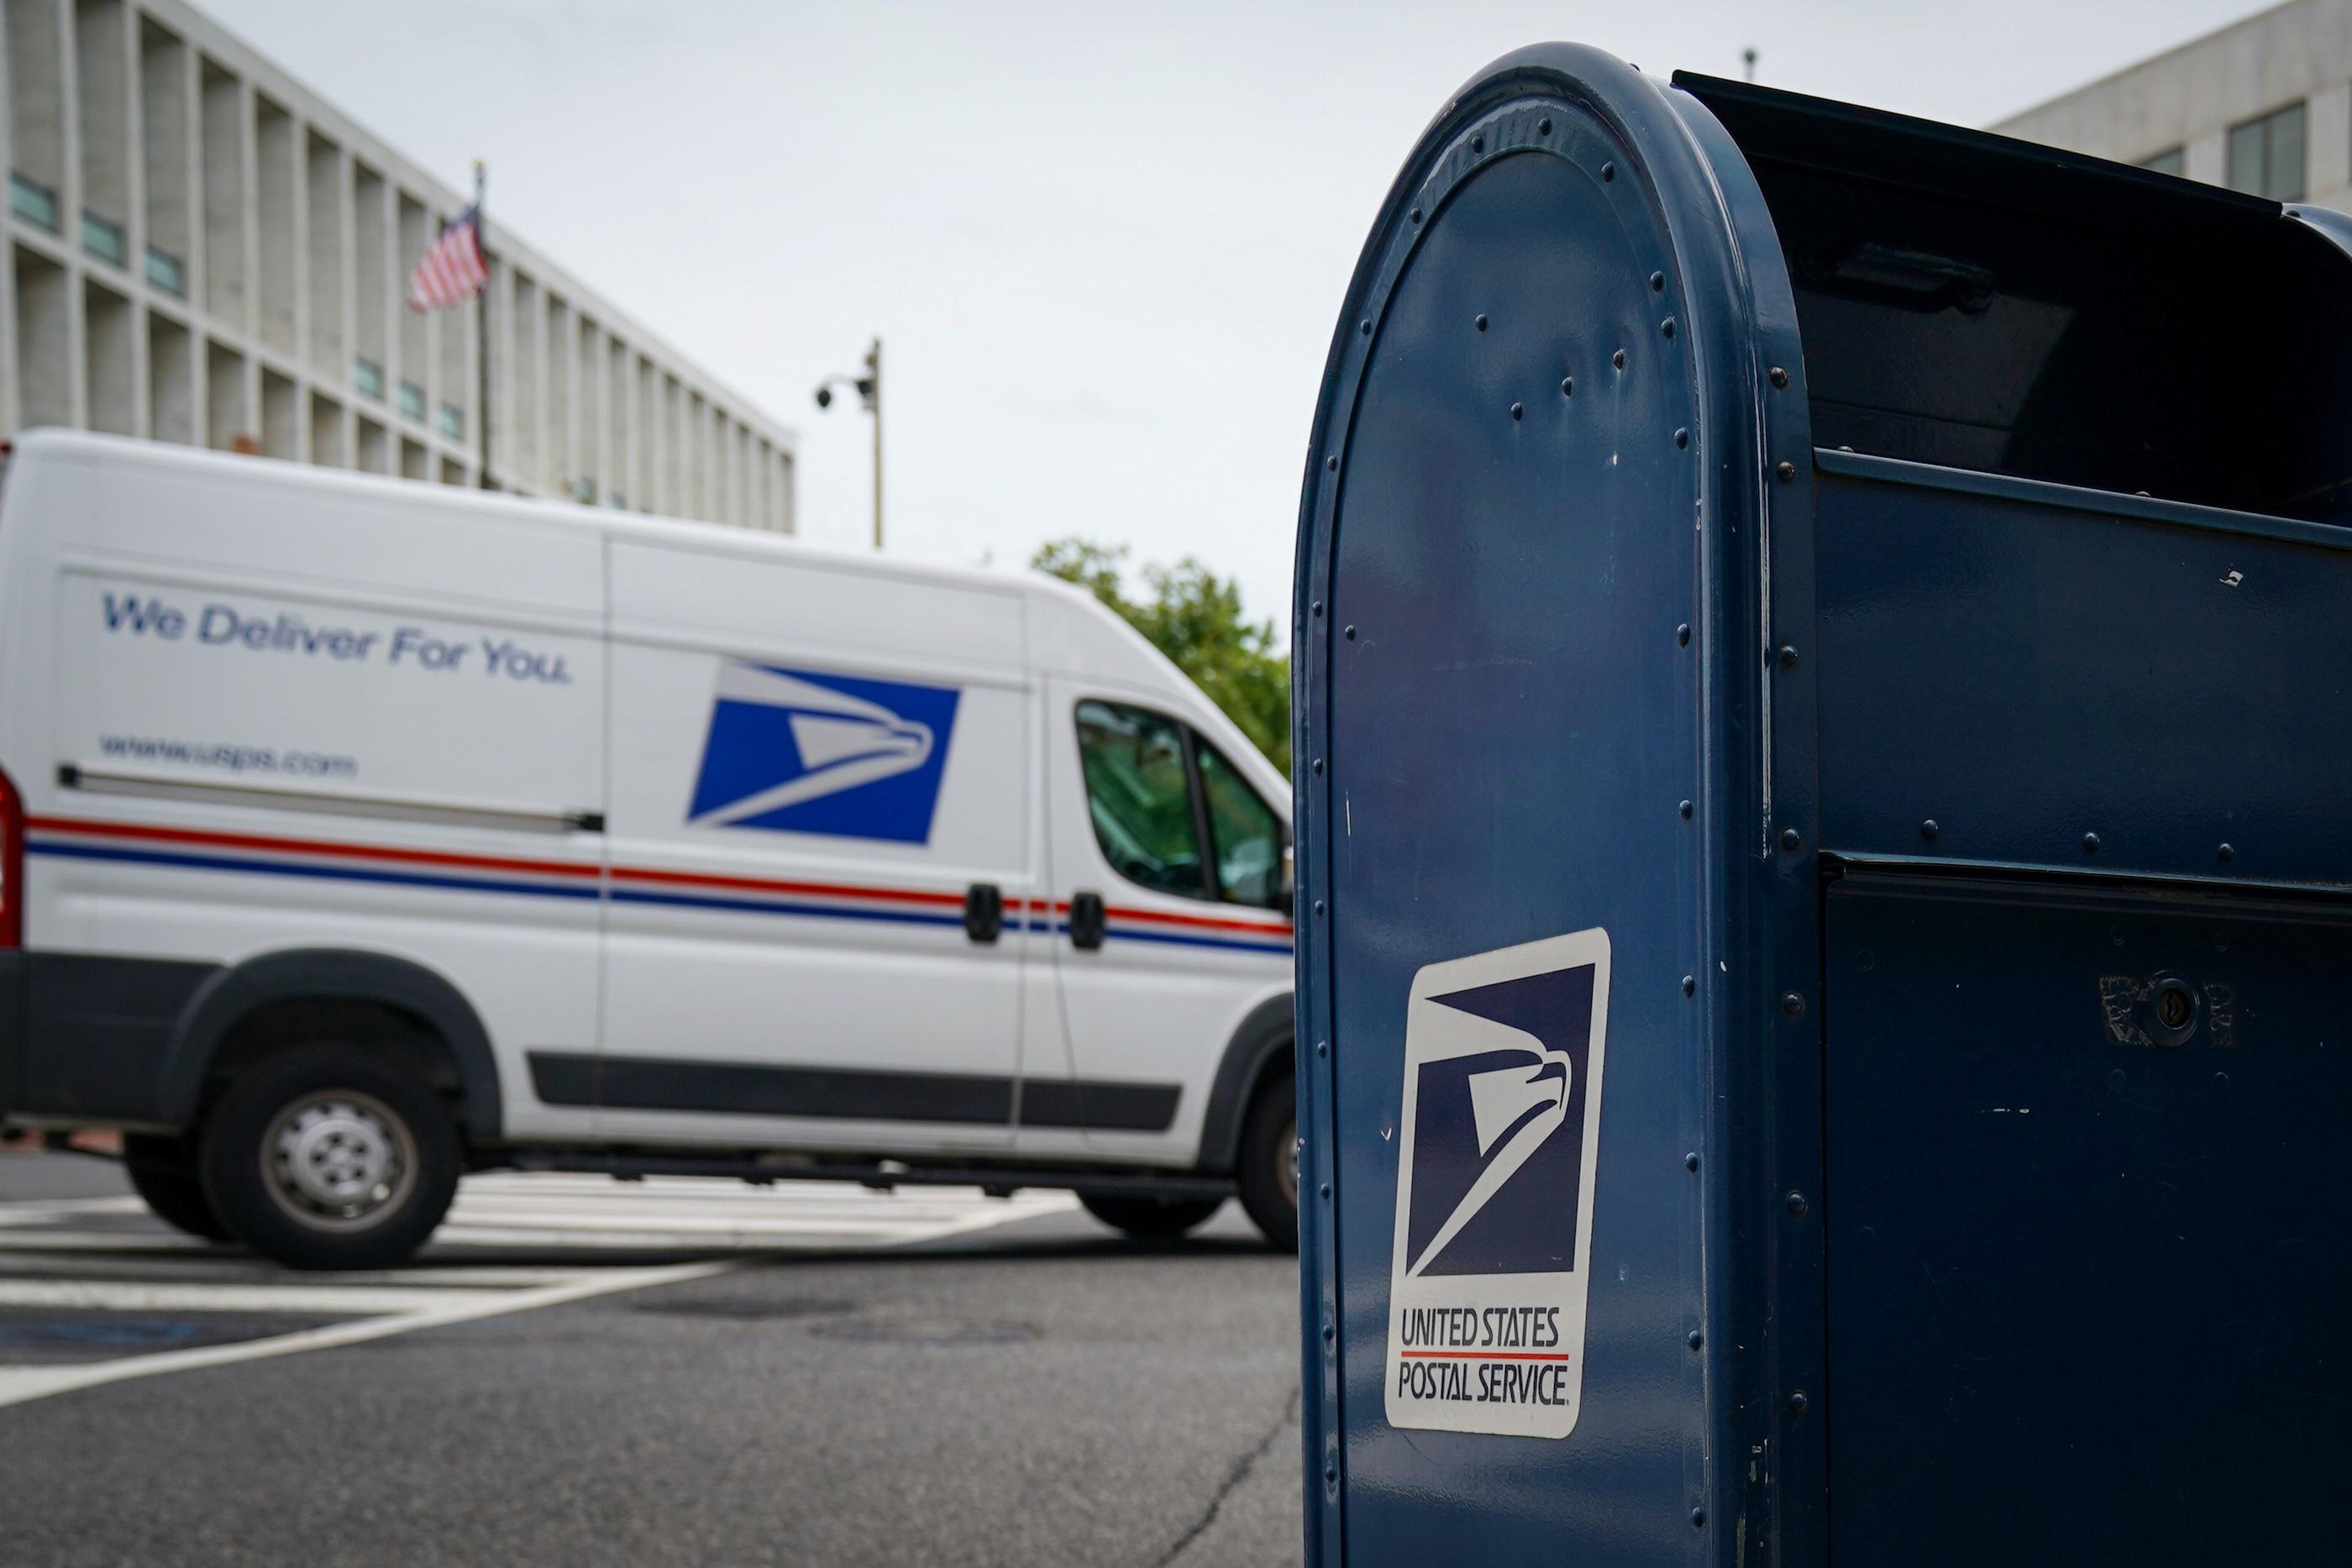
(1501, 1121)
(802, 751)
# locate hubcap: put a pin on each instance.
(338, 1159)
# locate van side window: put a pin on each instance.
(1140, 794)
(1244, 832)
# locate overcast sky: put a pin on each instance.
(1104, 244)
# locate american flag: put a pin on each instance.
(453, 271)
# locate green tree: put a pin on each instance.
(1193, 616)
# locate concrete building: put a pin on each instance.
(2265, 105)
(202, 251)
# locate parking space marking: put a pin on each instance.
(105, 1256)
(137, 1296)
(20, 1384)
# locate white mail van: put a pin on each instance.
(357, 834)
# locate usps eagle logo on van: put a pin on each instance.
(1501, 1125)
(800, 751)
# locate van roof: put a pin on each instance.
(539, 511)
(1080, 609)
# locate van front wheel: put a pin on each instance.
(328, 1158)
(1267, 1173)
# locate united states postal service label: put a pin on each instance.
(1494, 1207)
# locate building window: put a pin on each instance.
(102, 237)
(2266, 155)
(368, 377)
(33, 202)
(167, 273)
(453, 424)
(2171, 161)
(583, 489)
(412, 400)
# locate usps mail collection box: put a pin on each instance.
(1826, 654)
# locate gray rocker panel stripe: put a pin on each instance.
(745, 1089)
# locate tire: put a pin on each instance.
(328, 1158)
(1268, 1169)
(163, 1172)
(1150, 1218)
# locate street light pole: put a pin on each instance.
(874, 406)
(870, 395)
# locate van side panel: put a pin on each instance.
(812, 765)
(245, 721)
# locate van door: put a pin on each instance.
(821, 790)
(1170, 919)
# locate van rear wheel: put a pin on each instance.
(1267, 1171)
(329, 1158)
(163, 1172)
(1150, 1218)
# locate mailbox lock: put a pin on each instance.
(2172, 1010)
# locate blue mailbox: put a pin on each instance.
(1826, 654)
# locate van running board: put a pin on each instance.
(882, 1176)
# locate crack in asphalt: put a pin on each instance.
(1234, 1479)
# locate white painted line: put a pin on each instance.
(37, 1238)
(140, 1296)
(39, 1207)
(20, 1384)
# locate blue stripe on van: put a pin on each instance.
(320, 872)
(811, 911)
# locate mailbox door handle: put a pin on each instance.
(983, 912)
(1085, 920)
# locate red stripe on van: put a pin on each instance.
(764, 884)
(1161, 918)
(312, 846)
(1275, 926)
(590, 869)
(384, 853)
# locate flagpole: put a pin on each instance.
(482, 319)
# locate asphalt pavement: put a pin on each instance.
(581, 1372)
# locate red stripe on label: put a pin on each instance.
(1479, 1355)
